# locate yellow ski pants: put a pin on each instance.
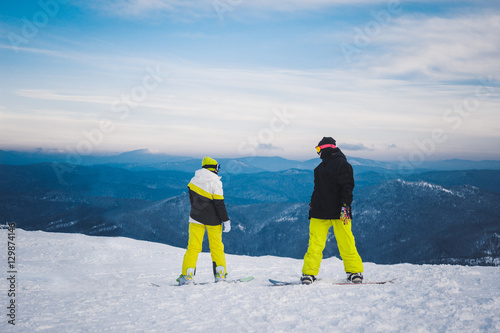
(195, 243)
(318, 232)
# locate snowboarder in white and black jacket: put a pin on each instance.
(208, 213)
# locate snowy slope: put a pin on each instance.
(77, 283)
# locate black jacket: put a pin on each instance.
(333, 185)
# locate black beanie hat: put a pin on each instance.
(327, 140)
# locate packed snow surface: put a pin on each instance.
(77, 283)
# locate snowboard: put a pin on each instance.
(291, 283)
(245, 279)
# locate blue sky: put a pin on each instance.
(389, 80)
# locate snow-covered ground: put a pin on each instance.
(77, 283)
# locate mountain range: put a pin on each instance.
(422, 217)
(146, 160)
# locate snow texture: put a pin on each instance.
(77, 283)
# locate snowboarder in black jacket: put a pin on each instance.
(331, 206)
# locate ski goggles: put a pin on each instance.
(318, 148)
(212, 166)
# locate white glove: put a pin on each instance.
(226, 226)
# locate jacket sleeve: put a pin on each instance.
(220, 206)
(313, 195)
(346, 181)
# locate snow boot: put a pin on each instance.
(355, 277)
(220, 274)
(188, 278)
(307, 279)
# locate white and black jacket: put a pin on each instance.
(207, 199)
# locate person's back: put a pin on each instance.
(207, 199)
(208, 213)
(331, 206)
(333, 185)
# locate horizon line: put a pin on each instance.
(156, 152)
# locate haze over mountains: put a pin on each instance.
(144, 159)
(422, 216)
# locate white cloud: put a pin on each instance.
(53, 96)
(147, 8)
(442, 49)
(268, 146)
(186, 10)
(394, 92)
(38, 51)
(232, 105)
(355, 147)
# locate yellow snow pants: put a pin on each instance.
(195, 243)
(318, 232)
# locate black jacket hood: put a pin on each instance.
(332, 153)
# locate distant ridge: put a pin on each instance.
(434, 217)
(145, 159)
